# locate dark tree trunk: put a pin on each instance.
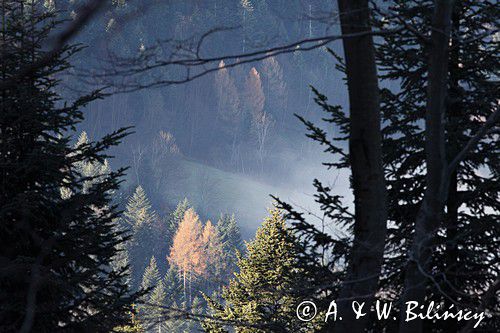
(365, 151)
(454, 138)
(451, 251)
(430, 212)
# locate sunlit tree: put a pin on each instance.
(261, 297)
(230, 237)
(260, 121)
(275, 88)
(212, 247)
(253, 96)
(187, 253)
(228, 106)
(151, 275)
(139, 217)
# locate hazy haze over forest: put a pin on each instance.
(185, 143)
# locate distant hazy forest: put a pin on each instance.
(229, 139)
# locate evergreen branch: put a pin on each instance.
(490, 122)
(85, 14)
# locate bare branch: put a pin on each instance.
(191, 59)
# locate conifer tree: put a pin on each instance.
(173, 287)
(229, 232)
(196, 309)
(230, 237)
(176, 217)
(155, 308)
(260, 121)
(138, 211)
(152, 309)
(229, 108)
(151, 275)
(56, 250)
(139, 217)
(121, 259)
(174, 320)
(212, 247)
(90, 172)
(261, 297)
(460, 256)
(460, 264)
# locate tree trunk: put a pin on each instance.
(454, 113)
(184, 282)
(451, 252)
(365, 151)
(190, 291)
(431, 209)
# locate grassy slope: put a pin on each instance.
(213, 191)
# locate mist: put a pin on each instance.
(188, 142)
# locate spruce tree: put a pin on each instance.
(173, 316)
(172, 224)
(463, 251)
(229, 232)
(139, 211)
(139, 217)
(461, 261)
(178, 214)
(151, 275)
(121, 259)
(195, 310)
(230, 237)
(173, 286)
(90, 172)
(261, 297)
(152, 311)
(155, 308)
(212, 247)
(56, 251)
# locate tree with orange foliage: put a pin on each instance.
(275, 88)
(228, 98)
(186, 253)
(254, 98)
(212, 247)
(260, 120)
(229, 109)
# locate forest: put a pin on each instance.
(249, 166)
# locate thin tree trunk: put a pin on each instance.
(184, 282)
(190, 291)
(430, 212)
(454, 135)
(365, 151)
(451, 251)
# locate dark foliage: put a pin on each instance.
(464, 264)
(55, 250)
